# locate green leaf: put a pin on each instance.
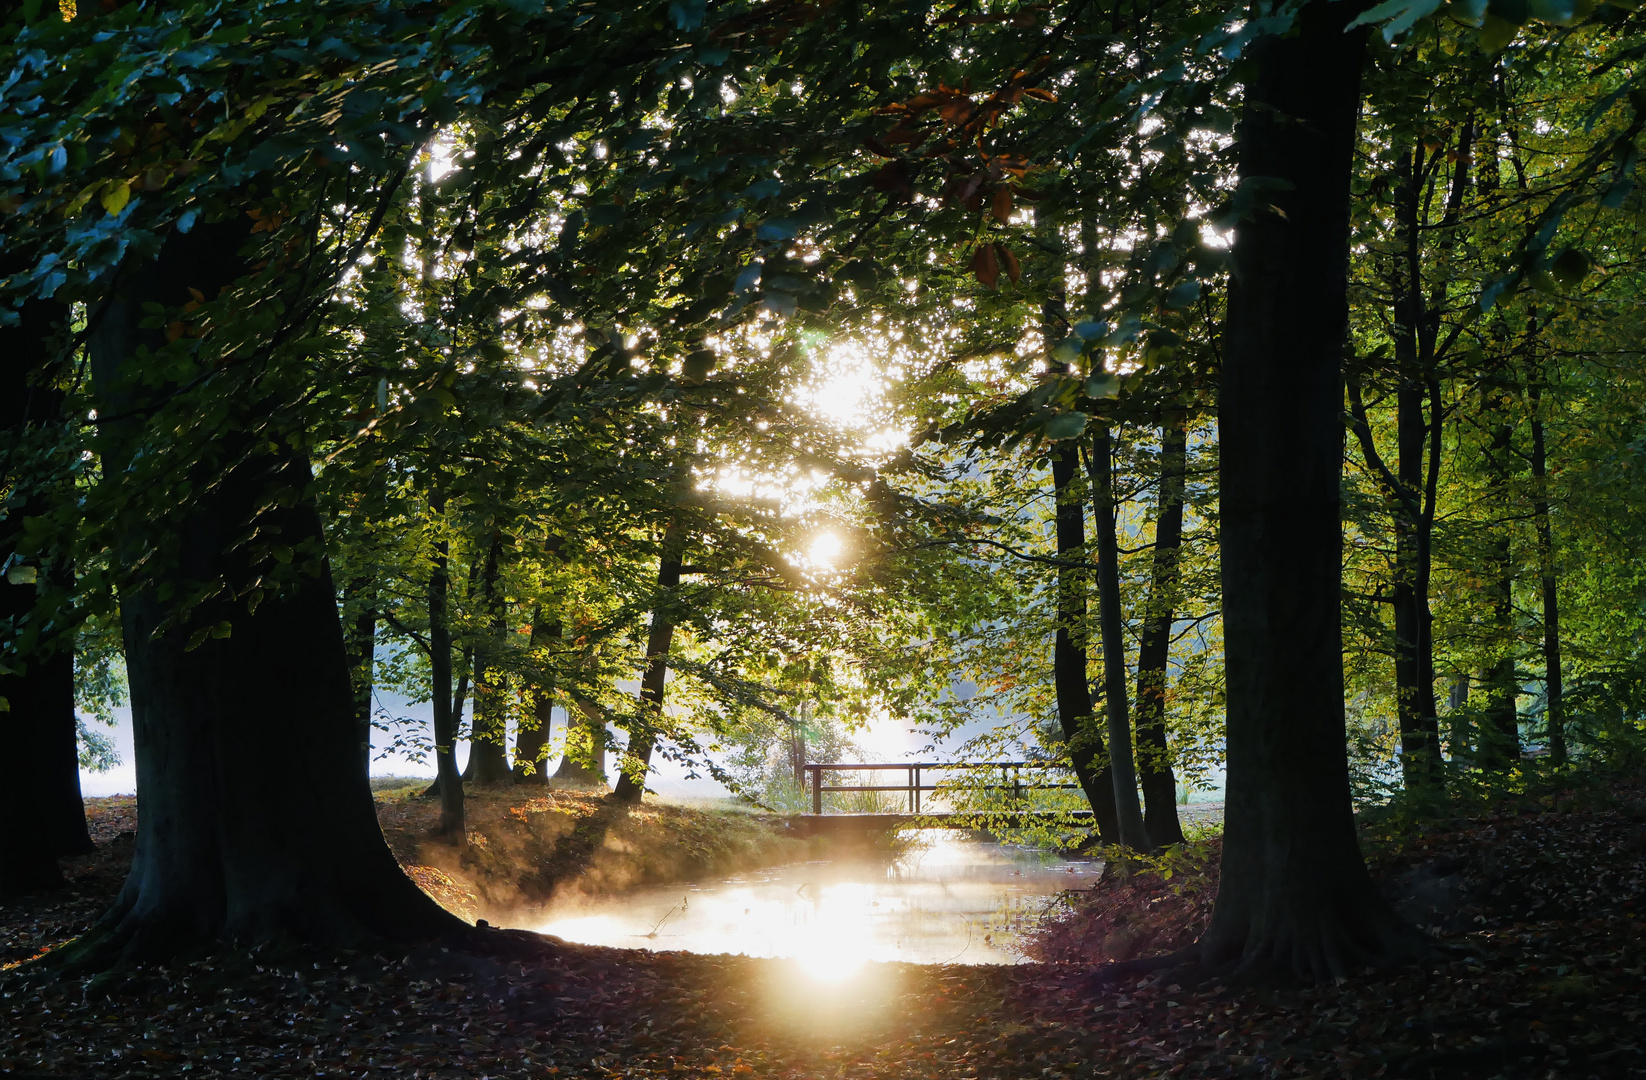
(1067, 425)
(1401, 15)
(1102, 385)
(1183, 294)
(114, 199)
(1068, 350)
(23, 575)
(1090, 330)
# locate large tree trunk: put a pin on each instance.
(631, 781)
(1554, 709)
(1154, 643)
(1294, 893)
(40, 797)
(488, 755)
(289, 848)
(1074, 696)
(1122, 770)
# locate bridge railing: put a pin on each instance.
(916, 775)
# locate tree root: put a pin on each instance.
(1332, 955)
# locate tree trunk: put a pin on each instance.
(1554, 709)
(1499, 737)
(289, 850)
(1160, 819)
(1074, 697)
(1294, 893)
(40, 798)
(488, 754)
(1418, 443)
(531, 741)
(1111, 624)
(361, 643)
(448, 783)
(585, 742)
(631, 781)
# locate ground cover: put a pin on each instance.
(1539, 899)
(530, 847)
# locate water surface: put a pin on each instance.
(952, 899)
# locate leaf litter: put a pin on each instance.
(1541, 902)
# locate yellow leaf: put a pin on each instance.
(115, 198)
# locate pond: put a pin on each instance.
(950, 898)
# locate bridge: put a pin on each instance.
(1009, 795)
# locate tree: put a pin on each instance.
(1294, 892)
(1074, 696)
(40, 799)
(1122, 768)
(227, 852)
(1154, 641)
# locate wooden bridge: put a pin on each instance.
(1012, 787)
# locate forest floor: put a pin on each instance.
(1542, 893)
(530, 847)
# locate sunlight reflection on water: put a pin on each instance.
(950, 900)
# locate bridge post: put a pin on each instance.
(817, 788)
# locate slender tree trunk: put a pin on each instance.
(1074, 697)
(531, 741)
(1500, 723)
(1414, 526)
(631, 782)
(1111, 624)
(361, 642)
(40, 798)
(1554, 709)
(585, 759)
(448, 783)
(1154, 644)
(1294, 894)
(289, 850)
(488, 754)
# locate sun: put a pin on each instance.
(826, 548)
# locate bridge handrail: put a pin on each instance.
(913, 787)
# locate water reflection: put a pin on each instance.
(950, 900)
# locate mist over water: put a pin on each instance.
(950, 899)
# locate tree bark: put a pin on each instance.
(585, 740)
(1499, 737)
(289, 850)
(40, 798)
(1122, 769)
(488, 754)
(361, 643)
(1159, 785)
(1087, 753)
(631, 781)
(1554, 708)
(1294, 893)
(448, 782)
(531, 741)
